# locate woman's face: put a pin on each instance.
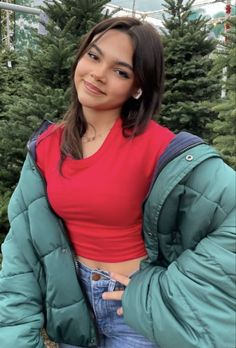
(104, 77)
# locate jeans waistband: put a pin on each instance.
(106, 275)
(88, 271)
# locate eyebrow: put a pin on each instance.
(127, 65)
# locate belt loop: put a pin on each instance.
(111, 285)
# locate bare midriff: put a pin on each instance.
(126, 267)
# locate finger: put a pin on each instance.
(112, 295)
(119, 311)
(120, 278)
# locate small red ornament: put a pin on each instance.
(228, 9)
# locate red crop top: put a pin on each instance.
(100, 197)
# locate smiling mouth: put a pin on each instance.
(93, 89)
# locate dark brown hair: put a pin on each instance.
(148, 66)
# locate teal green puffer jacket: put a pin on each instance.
(184, 294)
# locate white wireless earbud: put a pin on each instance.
(138, 94)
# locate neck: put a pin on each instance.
(101, 119)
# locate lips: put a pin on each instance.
(92, 89)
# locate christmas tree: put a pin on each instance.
(12, 74)
(224, 127)
(189, 89)
(44, 92)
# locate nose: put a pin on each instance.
(99, 74)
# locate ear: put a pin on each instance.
(137, 94)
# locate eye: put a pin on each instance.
(122, 73)
(92, 55)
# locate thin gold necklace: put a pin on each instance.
(86, 139)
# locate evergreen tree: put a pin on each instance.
(224, 127)
(12, 74)
(189, 88)
(3, 77)
(45, 92)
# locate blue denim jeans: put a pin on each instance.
(114, 333)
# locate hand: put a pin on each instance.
(116, 295)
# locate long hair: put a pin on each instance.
(148, 66)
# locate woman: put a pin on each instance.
(113, 207)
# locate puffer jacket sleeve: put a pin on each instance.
(191, 303)
(21, 276)
(21, 317)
